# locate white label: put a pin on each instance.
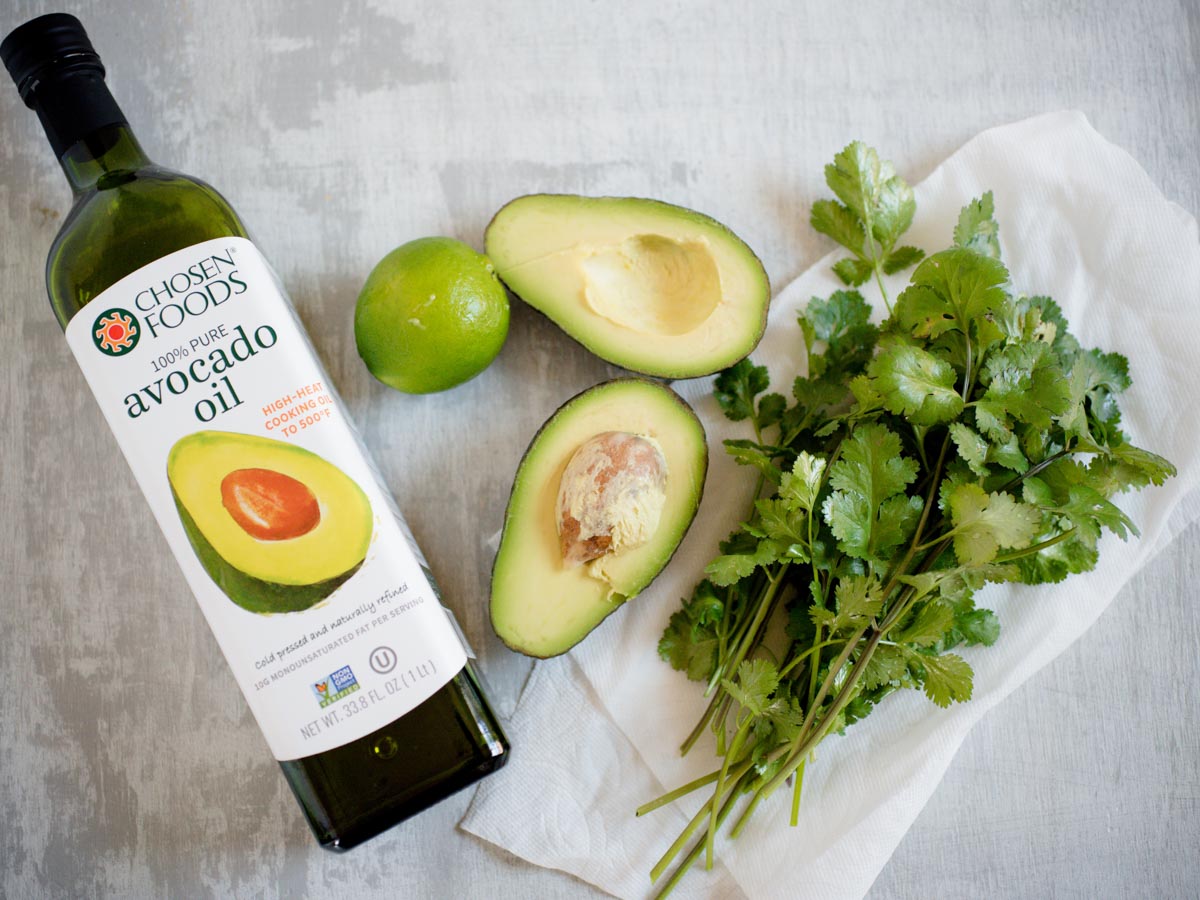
(294, 550)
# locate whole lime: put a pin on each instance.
(432, 315)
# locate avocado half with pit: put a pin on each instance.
(655, 288)
(600, 502)
(277, 527)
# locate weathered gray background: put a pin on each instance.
(129, 764)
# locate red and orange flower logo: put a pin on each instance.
(116, 332)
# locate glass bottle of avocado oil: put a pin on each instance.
(296, 553)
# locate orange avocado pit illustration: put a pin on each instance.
(269, 505)
(276, 527)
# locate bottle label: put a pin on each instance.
(294, 549)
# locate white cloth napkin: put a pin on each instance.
(597, 732)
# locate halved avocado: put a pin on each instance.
(542, 605)
(277, 527)
(655, 288)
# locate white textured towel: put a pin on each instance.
(597, 732)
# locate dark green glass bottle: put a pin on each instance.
(127, 213)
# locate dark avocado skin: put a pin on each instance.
(683, 211)
(252, 593)
(516, 481)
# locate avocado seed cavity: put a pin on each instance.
(611, 496)
(269, 505)
(653, 284)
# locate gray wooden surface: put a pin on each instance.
(129, 765)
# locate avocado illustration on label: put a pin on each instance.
(277, 527)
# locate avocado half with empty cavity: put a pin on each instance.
(655, 288)
(277, 527)
(600, 502)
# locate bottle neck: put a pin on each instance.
(86, 128)
(108, 152)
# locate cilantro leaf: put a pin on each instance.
(1026, 382)
(1089, 512)
(887, 665)
(977, 229)
(917, 384)
(1007, 452)
(801, 485)
(1125, 466)
(876, 207)
(748, 453)
(770, 409)
(837, 318)
(1055, 563)
(870, 470)
(1092, 411)
(872, 191)
(985, 522)
(895, 523)
(955, 290)
(737, 386)
(813, 398)
(901, 258)
(858, 600)
(926, 626)
(872, 466)
(689, 642)
(840, 223)
(978, 626)
(1045, 321)
(853, 272)
(783, 522)
(947, 678)
(971, 447)
(755, 683)
(731, 567)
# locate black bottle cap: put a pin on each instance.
(50, 45)
(60, 76)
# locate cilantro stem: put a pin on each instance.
(1038, 468)
(797, 789)
(722, 636)
(692, 856)
(795, 660)
(745, 816)
(968, 378)
(879, 280)
(758, 485)
(766, 603)
(810, 715)
(750, 637)
(674, 795)
(801, 747)
(808, 738)
(709, 713)
(937, 540)
(734, 750)
(700, 816)
(1035, 548)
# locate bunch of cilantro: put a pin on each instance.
(967, 439)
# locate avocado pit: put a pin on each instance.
(611, 496)
(269, 505)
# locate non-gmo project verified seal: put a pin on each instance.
(339, 684)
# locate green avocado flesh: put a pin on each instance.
(542, 606)
(277, 527)
(652, 287)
